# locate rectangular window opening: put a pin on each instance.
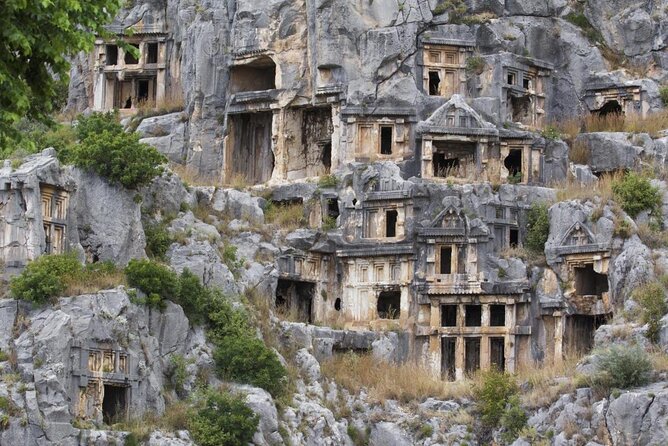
(130, 59)
(391, 223)
(152, 52)
(111, 54)
(386, 140)
(434, 83)
(497, 356)
(511, 79)
(471, 355)
(497, 315)
(446, 260)
(448, 348)
(473, 315)
(449, 315)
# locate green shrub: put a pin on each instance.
(224, 420)
(475, 64)
(108, 150)
(195, 299)
(663, 92)
(230, 259)
(580, 20)
(652, 299)
(178, 372)
(327, 181)
(513, 420)
(3, 356)
(239, 355)
(635, 193)
(157, 281)
(158, 240)
(551, 132)
(492, 393)
(620, 367)
(132, 440)
(44, 278)
(538, 227)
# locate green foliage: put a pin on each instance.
(39, 38)
(621, 367)
(157, 281)
(652, 299)
(239, 355)
(455, 8)
(327, 181)
(179, 372)
(195, 298)
(622, 228)
(493, 393)
(230, 258)
(551, 132)
(538, 228)
(223, 420)
(36, 136)
(112, 153)
(3, 356)
(158, 240)
(513, 420)
(328, 223)
(516, 178)
(358, 437)
(580, 20)
(663, 92)
(635, 193)
(475, 64)
(44, 278)
(132, 440)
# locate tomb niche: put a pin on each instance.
(524, 91)
(54, 218)
(131, 77)
(606, 100)
(455, 141)
(249, 151)
(522, 161)
(444, 66)
(584, 261)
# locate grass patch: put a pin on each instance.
(403, 382)
(579, 153)
(288, 216)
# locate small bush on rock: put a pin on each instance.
(652, 299)
(109, 151)
(663, 92)
(635, 194)
(493, 392)
(158, 240)
(538, 228)
(223, 420)
(513, 420)
(44, 278)
(157, 281)
(621, 367)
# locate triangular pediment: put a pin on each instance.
(578, 235)
(455, 114)
(450, 218)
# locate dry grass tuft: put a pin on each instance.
(545, 389)
(579, 153)
(403, 382)
(94, 282)
(288, 216)
(191, 177)
(237, 181)
(653, 123)
(572, 189)
(520, 252)
(653, 238)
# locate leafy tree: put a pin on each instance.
(44, 277)
(494, 390)
(36, 40)
(157, 281)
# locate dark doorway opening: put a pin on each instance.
(114, 403)
(448, 346)
(111, 53)
(449, 315)
(514, 238)
(444, 167)
(391, 223)
(337, 304)
(473, 315)
(386, 140)
(588, 282)
(497, 357)
(446, 260)
(471, 355)
(294, 300)
(610, 108)
(142, 90)
(332, 208)
(130, 58)
(434, 83)
(152, 52)
(389, 304)
(513, 163)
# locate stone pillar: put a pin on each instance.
(459, 358)
(484, 353)
(558, 337)
(427, 156)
